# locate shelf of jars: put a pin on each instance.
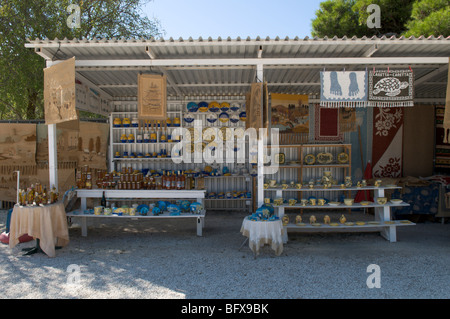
(146, 145)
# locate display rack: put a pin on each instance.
(382, 223)
(294, 166)
(144, 152)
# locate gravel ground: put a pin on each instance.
(164, 259)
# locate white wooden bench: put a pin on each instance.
(110, 194)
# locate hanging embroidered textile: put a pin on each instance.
(393, 88)
(343, 89)
(326, 124)
(387, 141)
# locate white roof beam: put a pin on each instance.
(265, 61)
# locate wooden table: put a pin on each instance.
(47, 224)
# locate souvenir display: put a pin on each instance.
(280, 158)
(381, 200)
(37, 195)
(348, 201)
(214, 107)
(312, 219)
(117, 122)
(189, 118)
(224, 106)
(192, 107)
(310, 159)
(292, 202)
(224, 117)
(342, 219)
(349, 224)
(234, 118)
(126, 122)
(203, 106)
(326, 219)
(342, 158)
(334, 203)
(243, 116)
(324, 158)
(234, 106)
(348, 181)
(211, 118)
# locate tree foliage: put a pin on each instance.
(429, 17)
(399, 17)
(336, 17)
(21, 70)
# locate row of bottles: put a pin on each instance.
(146, 135)
(118, 122)
(36, 195)
(171, 180)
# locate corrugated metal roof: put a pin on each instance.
(188, 80)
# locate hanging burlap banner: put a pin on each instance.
(59, 92)
(152, 97)
(255, 107)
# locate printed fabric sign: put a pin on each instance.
(393, 88)
(343, 89)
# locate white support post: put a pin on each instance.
(260, 178)
(52, 156)
(52, 149)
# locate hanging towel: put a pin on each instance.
(343, 89)
(393, 88)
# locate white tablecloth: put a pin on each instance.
(260, 233)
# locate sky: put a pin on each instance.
(233, 18)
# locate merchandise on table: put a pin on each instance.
(36, 195)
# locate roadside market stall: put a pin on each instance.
(258, 83)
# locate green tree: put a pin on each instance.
(394, 15)
(349, 17)
(429, 17)
(336, 18)
(21, 70)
